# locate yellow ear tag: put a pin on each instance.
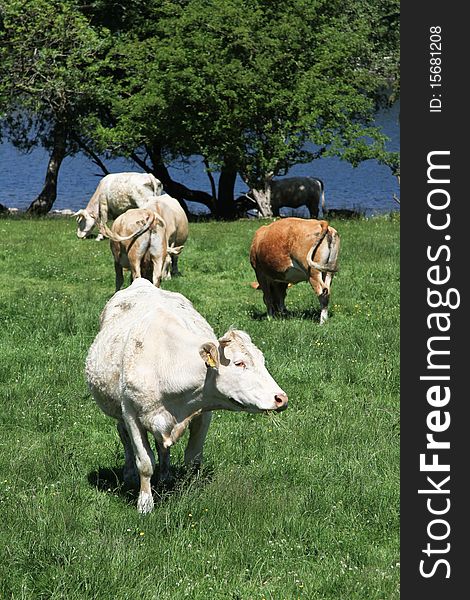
(210, 361)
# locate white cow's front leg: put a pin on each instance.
(198, 428)
(144, 460)
(165, 441)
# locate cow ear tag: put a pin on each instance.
(206, 353)
(210, 361)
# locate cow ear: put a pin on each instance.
(226, 339)
(210, 355)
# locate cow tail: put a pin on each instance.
(313, 249)
(104, 229)
(331, 266)
(158, 220)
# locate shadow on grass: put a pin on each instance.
(309, 314)
(109, 479)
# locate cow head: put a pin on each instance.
(86, 221)
(237, 375)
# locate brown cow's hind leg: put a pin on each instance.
(266, 287)
(279, 291)
(322, 290)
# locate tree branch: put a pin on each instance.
(211, 178)
(141, 162)
(86, 150)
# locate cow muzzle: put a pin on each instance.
(281, 401)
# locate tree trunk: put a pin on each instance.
(263, 200)
(45, 200)
(262, 196)
(175, 189)
(225, 202)
(211, 179)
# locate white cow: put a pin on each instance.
(156, 366)
(138, 241)
(176, 226)
(115, 194)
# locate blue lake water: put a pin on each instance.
(368, 188)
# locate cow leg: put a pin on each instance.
(119, 276)
(266, 287)
(157, 271)
(163, 461)
(313, 209)
(174, 266)
(198, 428)
(144, 460)
(279, 291)
(130, 472)
(103, 217)
(270, 298)
(322, 290)
(135, 255)
(324, 300)
(116, 252)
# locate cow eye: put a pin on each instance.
(240, 363)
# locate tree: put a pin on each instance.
(50, 71)
(246, 83)
(242, 83)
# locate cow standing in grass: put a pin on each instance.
(292, 250)
(177, 227)
(139, 242)
(290, 192)
(115, 194)
(157, 367)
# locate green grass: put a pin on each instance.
(303, 504)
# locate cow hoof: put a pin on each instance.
(145, 503)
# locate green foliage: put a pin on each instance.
(304, 504)
(50, 69)
(245, 83)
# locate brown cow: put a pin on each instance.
(138, 241)
(292, 250)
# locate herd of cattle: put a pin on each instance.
(156, 365)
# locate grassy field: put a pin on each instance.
(302, 504)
